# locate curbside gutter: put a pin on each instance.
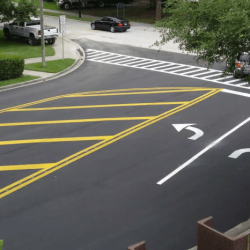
(78, 62)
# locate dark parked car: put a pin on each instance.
(242, 64)
(111, 23)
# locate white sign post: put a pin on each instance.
(62, 29)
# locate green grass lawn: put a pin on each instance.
(51, 66)
(18, 80)
(21, 47)
(141, 14)
(70, 17)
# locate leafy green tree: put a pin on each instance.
(216, 30)
(20, 12)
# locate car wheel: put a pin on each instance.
(67, 6)
(32, 40)
(124, 30)
(51, 41)
(101, 4)
(112, 29)
(93, 26)
(7, 34)
(237, 74)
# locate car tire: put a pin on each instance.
(112, 29)
(32, 40)
(7, 34)
(67, 6)
(124, 30)
(51, 41)
(236, 74)
(93, 26)
(101, 4)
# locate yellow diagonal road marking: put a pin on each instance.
(136, 93)
(66, 161)
(27, 166)
(101, 106)
(88, 138)
(76, 121)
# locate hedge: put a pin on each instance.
(11, 66)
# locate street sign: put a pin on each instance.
(120, 6)
(62, 24)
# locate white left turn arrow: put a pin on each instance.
(198, 132)
(239, 152)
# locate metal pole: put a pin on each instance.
(62, 45)
(42, 34)
(80, 10)
(158, 10)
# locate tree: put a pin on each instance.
(216, 30)
(20, 12)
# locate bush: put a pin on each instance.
(11, 66)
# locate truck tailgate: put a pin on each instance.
(48, 31)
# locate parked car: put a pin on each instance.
(112, 23)
(70, 4)
(242, 64)
(30, 30)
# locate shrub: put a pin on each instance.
(11, 66)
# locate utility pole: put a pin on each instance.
(158, 10)
(42, 34)
(80, 10)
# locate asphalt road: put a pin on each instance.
(107, 196)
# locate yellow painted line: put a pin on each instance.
(136, 93)
(139, 89)
(93, 92)
(27, 167)
(34, 177)
(88, 138)
(77, 121)
(100, 106)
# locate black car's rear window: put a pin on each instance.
(35, 22)
(244, 57)
(117, 18)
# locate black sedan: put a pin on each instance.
(111, 23)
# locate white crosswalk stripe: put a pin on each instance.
(189, 71)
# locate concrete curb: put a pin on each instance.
(74, 66)
(242, 228)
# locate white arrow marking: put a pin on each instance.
(239, 152)
(198, 132)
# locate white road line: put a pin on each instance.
(114, 59)
(203, 73)
(211, 76)
(137, 65)
(242, 84)
(192, 71)
(202, 152)
(235, 80)
(181, 70)
(172, 68)
(126, 60)
(97, 55)
(235, 92)
(167, 65)
(152, 65)
(222, 78)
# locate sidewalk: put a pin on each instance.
(70, 51)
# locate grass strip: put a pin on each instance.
(18, 80)
(21, 47)
(54, 66)
(69, 16)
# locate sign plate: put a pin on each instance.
(62, 24)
